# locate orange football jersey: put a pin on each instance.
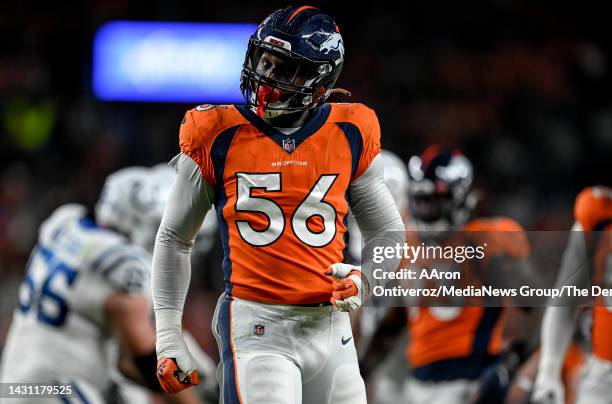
(462, 339)
(281, 200)
(593, 210)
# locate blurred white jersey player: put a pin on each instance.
(86, 283)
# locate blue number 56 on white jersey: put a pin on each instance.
(45, 288)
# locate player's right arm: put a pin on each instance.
(188, 201)
(558, 323)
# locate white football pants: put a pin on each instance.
(282, 354)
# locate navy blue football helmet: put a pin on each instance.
(440, 189)
(309, 44)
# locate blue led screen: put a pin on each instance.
(169, 62)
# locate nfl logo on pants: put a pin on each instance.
(289, 145)
(259, 329)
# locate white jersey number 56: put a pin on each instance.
(312, 205)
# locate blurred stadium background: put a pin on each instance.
(522, 88)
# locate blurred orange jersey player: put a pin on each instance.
(451, 343)
(593, 211)
(587, 262)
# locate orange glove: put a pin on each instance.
(346, 286)
(172, 379)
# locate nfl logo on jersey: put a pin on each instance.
(289, 145)
(259, 329)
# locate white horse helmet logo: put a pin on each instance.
(332, 43)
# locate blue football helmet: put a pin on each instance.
(309, 44)
(440, 189)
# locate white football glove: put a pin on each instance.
(548, 391)
(346, 293)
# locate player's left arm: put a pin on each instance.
(381, 225)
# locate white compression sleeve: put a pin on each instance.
(188, 202)
(376, 215)
(558, 322)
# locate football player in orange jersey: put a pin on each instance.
(282, 172)
(587, 257)
(450, 348)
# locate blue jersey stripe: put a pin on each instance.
(355, 141)
(80, 393)
(116, 263)
(230, 389)
(469, 367)
(218, 156)
(485, 330)
(97, 263)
